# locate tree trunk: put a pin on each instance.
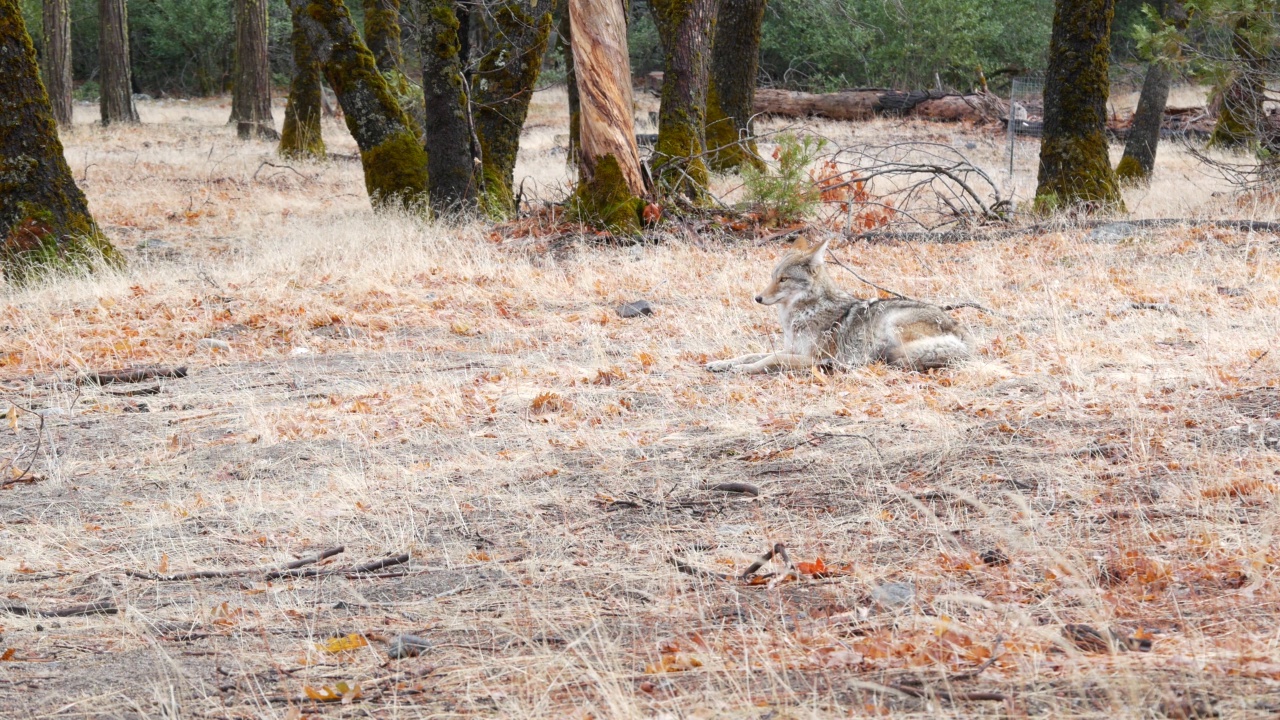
(395, 163)
(302, 136)
(1144, 134)
(685, 27)
(44, 219)
(1240, 114)
(1139, 159)
(57, 58)
(451, 160)
(516, 36)
(1075, 172)
(115, 76)
(735, 62)
(611, 183)
(251, 96)
(564, 42)
(382, 33)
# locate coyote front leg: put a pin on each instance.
(731, 363)
(775, 361)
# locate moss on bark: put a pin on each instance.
(1075, 171)
(301, 135)
(604, 201)
(447, 124)
(395, 163)
(735, 62)
(516, 40)
(44, 219)
(382, 34)
(685, 27)
(1240, 103)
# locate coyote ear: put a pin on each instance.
(819, 255)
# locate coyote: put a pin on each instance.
(823, 324)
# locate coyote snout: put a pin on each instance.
(822, 323)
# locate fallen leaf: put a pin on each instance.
(343, 644)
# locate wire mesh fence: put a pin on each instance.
(1025, 124)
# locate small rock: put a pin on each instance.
(408, 646)
(300, 351)
(635, 309)
(139, 408)
(894, 594)
(1232, 292)
(1113, 232)
(338, 331)
(971, 146)
(153, 244)
(213, 344)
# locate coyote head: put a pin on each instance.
(798, 275)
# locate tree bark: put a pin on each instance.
(515, 36)
(611, 183)
(115, 75)
(302, 135)
(382, 33)
(685, 27)
(57, 58)
(395, 163)
(735, 62)
(44, 219)
(1241, 114)
(448, 130)
(1139, 159)
(1144, 133)
(251, 96)
(1075, 172)
(564, 42)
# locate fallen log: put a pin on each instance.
(867, 103)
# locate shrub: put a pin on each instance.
(787, 193)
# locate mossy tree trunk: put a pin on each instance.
(1075, 171)
(251, 94)
(57, 57)
(395, 163)
(515, 35)
(735, 62)
(302, 136)
(448, 117)
(686, 27)
(44, 218)
(115, 77)
(610, 181)
(1139, 159)
(1240, 107)
(564, 43)
(382, 33)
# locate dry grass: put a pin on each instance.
(400, 386)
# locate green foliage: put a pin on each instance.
(785, 194)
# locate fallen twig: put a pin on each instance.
(97, 607)
(132, 375)
(737, 487)
(151, 390)
(287, 570)
(688, 569)
(25, 475)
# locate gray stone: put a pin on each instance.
(1113, 232)
(408, 646)
(894, 594)
(635, 309)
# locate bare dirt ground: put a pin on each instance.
(394, 386)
